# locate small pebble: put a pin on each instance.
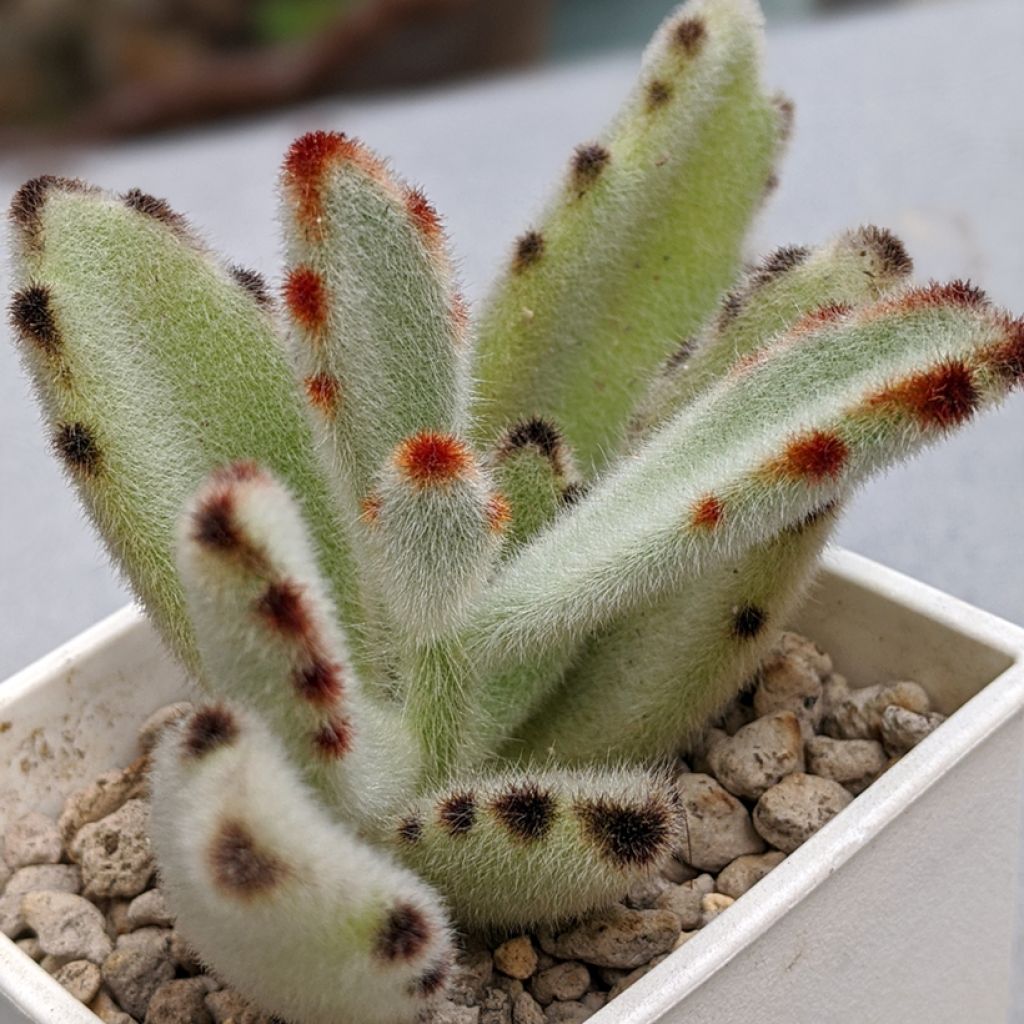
(104, 796)
(791, 680)
(857, 714)
(230, 1007)
(676, 871)
(684, 900)
(52, 877)
(790, 813)
(447, 1012)
(81, 978)
(148, 908)
(12, 921)
(745, 872)
(474, 974)
(902, 729)
(633, 977)
(183, 954)
(31, 948)
(516, 958)
(567, 980)
(616, 937)
(495, 1007)
(114, 852)
(759, 755)
(179, 1002)
(153, 727)
(134, 971)
(526, 1010)
(510, 986)
(66, 925)
(32, 839)
(854, 764)
(571, 1012)
(108, 1011)
(594, 1000)
(712, 905)
(717, 826)
(644, 893)
(117, 916)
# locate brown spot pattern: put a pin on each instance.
(748, 620)
(526, 811)
(816, 456)
(210, 727)
(333, 739)
(689, 34)
(32, 317)
(283, 607)
(252, 281)
(529, 250)
(322, 390)
(658, 94)
(627, 836)
(942, 396)
(319, 681)
(707, 512)
(240, 867)
(457, 813)
(76, 445)
(404, 934)
(305, 295)
(588, 161)
(157, 209)
(429, 459)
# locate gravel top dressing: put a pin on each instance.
(80, 894)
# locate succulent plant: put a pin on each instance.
(460, 588)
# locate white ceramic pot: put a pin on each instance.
(899, 910)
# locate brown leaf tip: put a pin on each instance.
(629, 836)
(432, 981)
(747, 621)
(429, 459)
(657, 93)
(305, 295)
(689, 35)
(28, 202)
(588, 161)
(423, 215)
(707, 512)
(499, 513)
(953, 293)
(680, 355)
(240, 866)
(369, 509)
(780, 262)
(786, 110)
(457, 812)
(410, 829)
(32, 317)
(333, 739)
(1007, 357)
(76, 445)
(253, 282)
(942, 396)
(310, 155)
(573, 492)
(891, 253)
(210, 727)
(529, 250)
(319, 682)
(283, 607)
(816, 456)
(158, 209)
(526, 811)
(542, 434)
(404, 934)
(821, 317)
(322, 390)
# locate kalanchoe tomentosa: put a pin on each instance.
(458, 593)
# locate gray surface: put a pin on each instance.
(909, 119)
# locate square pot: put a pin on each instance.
(900, 909)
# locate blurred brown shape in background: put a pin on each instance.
(87, 69)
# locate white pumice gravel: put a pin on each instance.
(79, 894)
(902, 729)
